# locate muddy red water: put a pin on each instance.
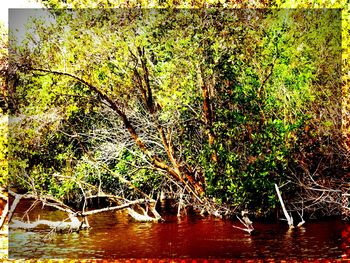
(113, 236)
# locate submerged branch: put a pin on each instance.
(4, 215)
(44, 199)
(74, 225)
(246, 222)
(114, 208)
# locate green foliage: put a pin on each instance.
(3, 151)
(268, 73)
(263, 104)
(152, 4)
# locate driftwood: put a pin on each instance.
(245, 221)
(302, 222)
(75, 224)
(57, 225)
(114, 208)
(289, 217)
(141, 217)
(46, 200)
(144, 217)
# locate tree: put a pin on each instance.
(213, 103)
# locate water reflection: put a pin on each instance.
(113, 235)
(315, 240)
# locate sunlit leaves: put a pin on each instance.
(267, 74)
(4, 151)
(152, 4)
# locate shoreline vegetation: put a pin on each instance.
(212, 108)
(229, 113)
(166, 208)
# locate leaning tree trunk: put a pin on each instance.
(180, 173)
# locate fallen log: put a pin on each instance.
(45, 200)
(141, 217)
(113, 208)
(56, 225)
(246, 222)
(144, 217)
(75, 223)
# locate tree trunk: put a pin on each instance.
(174, 172)
(288, 216)
(208, 113)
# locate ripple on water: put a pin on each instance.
(191, 237)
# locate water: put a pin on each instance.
(113, 235)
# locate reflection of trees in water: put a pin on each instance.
(281, 242)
